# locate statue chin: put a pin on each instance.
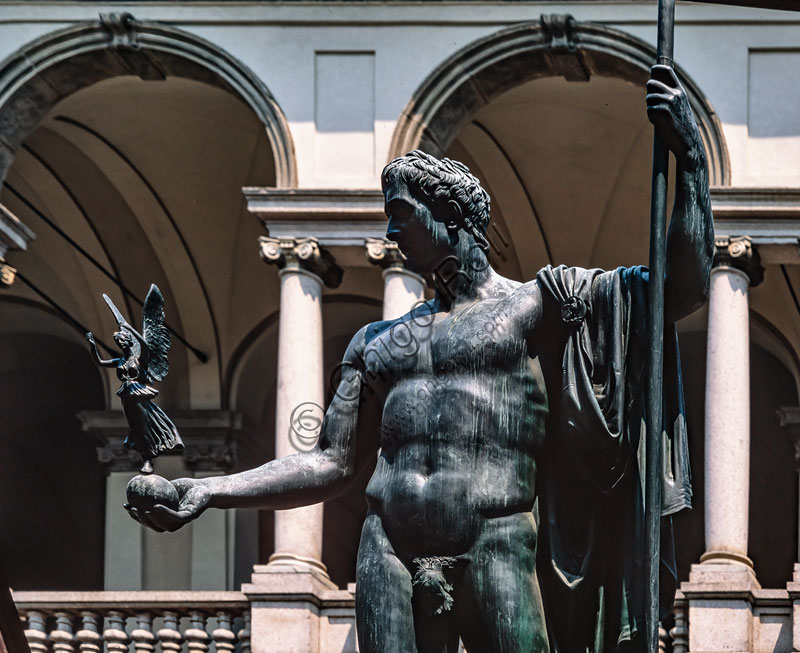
(147, 490)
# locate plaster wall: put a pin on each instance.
(372, 56)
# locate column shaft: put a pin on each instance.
(401, 291)
(304, 268)
(727, 418)
(298, 532)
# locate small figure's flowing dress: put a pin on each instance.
(151, 431)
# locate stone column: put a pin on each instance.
(123, 563)
(304, 269)
(727, 412)
(720, 591)
(402, 289)
(195, 557)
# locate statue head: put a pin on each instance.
(123, 339)
(429, 202)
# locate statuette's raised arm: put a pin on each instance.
(111, 362)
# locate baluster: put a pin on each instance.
(196, 636)
(680, 631)
(244, 633)
(89, 634)
(223, 637)
(143, 639)
(116, 637)
(169, 636)
(663, 639)
(36, 633)
(61, 636)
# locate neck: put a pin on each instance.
(463, 276)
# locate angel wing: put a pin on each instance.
(156, 334)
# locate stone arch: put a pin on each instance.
(46, 70)
(553, 46)
(767, 336)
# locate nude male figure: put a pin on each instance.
(453, 396)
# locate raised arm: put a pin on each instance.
(111, 362)
(348, 440)
(690, 239)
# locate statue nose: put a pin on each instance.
(393, 230)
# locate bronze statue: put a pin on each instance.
(143, 362)
(505, 505)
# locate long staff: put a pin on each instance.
(655, 354)
(655, 316)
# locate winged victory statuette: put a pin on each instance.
(143, 362)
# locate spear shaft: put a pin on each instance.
(655, 326)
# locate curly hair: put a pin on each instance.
(443, 180)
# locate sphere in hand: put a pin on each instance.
(147, 490)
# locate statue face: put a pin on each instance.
(422, 237)
(122, 339)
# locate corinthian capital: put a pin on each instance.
(738, 252)
(301, 254)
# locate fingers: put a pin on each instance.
(665, 74)
(659, 98)
(167, 519)
(143, 519)
(656, 87)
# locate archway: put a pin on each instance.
(45, 71)
(554, 46)
(131, 142)
(550, 116)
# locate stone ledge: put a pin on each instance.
(129, 600)
(209, 438)
(335, 217)
(289, 584)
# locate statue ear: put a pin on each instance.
(455, 219)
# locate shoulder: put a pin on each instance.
(355, 349)
(562, 282)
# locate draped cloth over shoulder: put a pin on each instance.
(591, 510)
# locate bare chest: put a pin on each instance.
(480, 339)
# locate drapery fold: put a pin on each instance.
(591, 510)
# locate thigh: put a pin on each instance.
(384, 616)
(508, 615)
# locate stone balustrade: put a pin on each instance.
(135, 622)
(220, 622)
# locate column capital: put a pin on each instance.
(384, 253)
(209, 438)
(739, 253)
(301, 254)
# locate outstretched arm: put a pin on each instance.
(111, 362)
(297, 480)
(690, 239)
